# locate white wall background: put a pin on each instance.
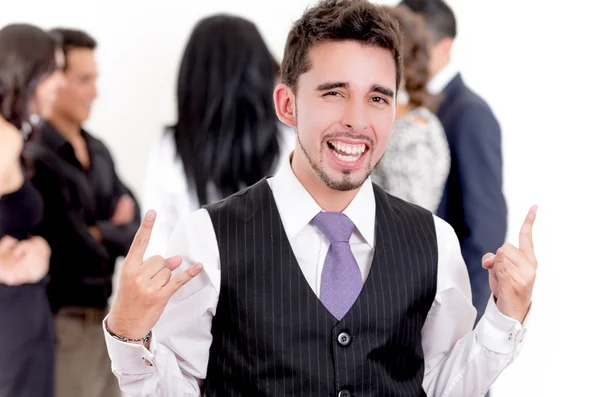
(532, 60)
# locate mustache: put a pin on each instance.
(348, 135)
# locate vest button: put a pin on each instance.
(344, 393)
(344, 339)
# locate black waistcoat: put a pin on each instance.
(273, 337)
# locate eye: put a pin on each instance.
(378, 99)
(332, 93)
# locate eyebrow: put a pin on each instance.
(331, 86)
(375, 87)
(382, 90)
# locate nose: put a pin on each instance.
(355, 115)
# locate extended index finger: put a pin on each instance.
(141, 239)
(525, 236)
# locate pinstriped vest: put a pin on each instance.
(273, 337)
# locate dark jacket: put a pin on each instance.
(473, 201)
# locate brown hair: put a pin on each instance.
(415, 55)
(337, 20)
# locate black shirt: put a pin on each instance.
(81, 268)
(20, 212)
(26, 327)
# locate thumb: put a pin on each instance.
(181, 279)
(488, 261)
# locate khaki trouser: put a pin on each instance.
(82, 361)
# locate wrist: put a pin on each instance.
(523, 314)
(120, 332)
(144, 340)
(515, 313)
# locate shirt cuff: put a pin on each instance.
(129, 358)
(500, 333)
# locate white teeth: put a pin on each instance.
(349, 149)
(346, 158)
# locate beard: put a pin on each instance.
(347, 183)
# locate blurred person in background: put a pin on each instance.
(90, 219)
(227, 135)
(417, 160)
(30, 72)
(473, 200)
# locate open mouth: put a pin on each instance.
(345, 151)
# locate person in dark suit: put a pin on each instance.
(473, 201)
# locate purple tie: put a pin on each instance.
(341, 281)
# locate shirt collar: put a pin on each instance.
(297, 207)
(52, 138)
(437, 84)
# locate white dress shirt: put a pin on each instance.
(438, 82)
(168, 191)
(459, 362)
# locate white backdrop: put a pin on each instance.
(529, 59)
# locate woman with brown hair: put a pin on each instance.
(417, 161)
(30, 71)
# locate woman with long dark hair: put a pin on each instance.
(417, 160)
(227, 135)
(30, 71)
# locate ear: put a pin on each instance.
(446, 43)
(285, 104)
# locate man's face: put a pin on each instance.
(345, 109)
(74, 100)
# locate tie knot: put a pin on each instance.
(337, 227)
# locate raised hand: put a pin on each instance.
(145, 287)
(512, 272)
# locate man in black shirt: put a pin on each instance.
(90, 218)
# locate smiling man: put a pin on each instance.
(316, 282)
(342, 114)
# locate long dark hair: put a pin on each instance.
(226, 130)
(27, 55)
